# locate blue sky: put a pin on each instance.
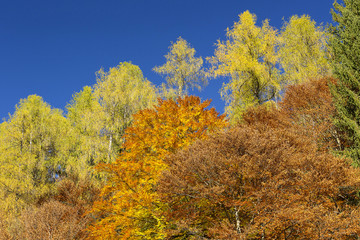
(53, 48)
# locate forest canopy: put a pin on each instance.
(131, 160)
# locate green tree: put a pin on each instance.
(345, 46)
(121, 92)
(182, 68)
(249, 58)
(302, 50)
(33, 153)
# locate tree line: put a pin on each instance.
(129, 160)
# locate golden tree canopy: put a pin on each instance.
(249, 58)
(130, 207)
(182, 69)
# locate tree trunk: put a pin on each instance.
(109, 150)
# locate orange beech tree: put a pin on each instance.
(130, 207)
(310, 107)
(260, 180)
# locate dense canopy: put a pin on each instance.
(132, 158)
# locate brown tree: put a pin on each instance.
(52, 220)
(306, 107)
(61, 216)
(311, 108)
(4, 231)
(261, 182)
(267, 178)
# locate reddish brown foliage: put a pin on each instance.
(261, 183)
(61, 216)
(52, 220)
(270, 177)
(306, 107)
(76, 192)
(310, 107)
(4, 232)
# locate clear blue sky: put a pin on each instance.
(53, 48)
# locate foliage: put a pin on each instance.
(60, 216)
(99, 115)
(345, 45)
(121, 92)
(260, 180)
(130, 208)
(166, 92)
(249, 58)
(169, 173)
(34, 147)
(182, 68)
(89, 145)
(260, 62)
(309, 107)
(303, 50)
(4, 231)
(52, 220)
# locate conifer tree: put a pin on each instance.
(261, 61)
(90, 146)
(345, 45)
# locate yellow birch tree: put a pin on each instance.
(303, 50)
(249, 58)
(33, 153)
(182, 69)
(121, 92)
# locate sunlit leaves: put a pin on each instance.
(89, 146)
(121, 92)
(260, 61)
(130, 208)
(263, 179)
(33, 146)
(182, 69)
(303, 50)
(248, 57)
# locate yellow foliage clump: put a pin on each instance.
(130, 207)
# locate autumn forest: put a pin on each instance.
(130, 160)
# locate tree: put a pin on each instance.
(61, 215)
(260, 180)
(303, 50)
(345, 46)
(129, 207)
(309, 107)
(261, 63)
(182, 68)
(249, 58)
(100, 115)
(34, 152)
(89, 145)
(121, 92)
